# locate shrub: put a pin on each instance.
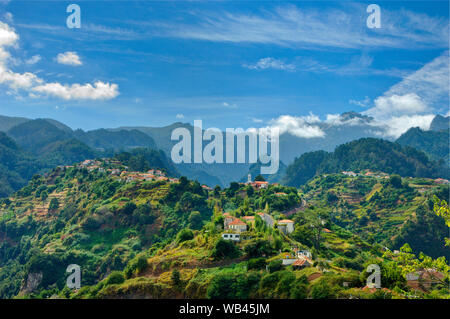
(176, 278)
(54, 204)
(115, 278)
(222, 287)
(195, 220)
(225, 249)
(299, 291)
(275, 265)
(184, 235)
(322, 290)
(256, 263)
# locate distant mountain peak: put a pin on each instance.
(440, 123)
(351, 115)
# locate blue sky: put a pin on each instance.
(231, 64)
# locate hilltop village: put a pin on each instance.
(146, 233)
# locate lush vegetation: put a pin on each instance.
(366, 153)
(434, 143)
(164, 239)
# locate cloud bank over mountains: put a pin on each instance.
(413, 102)
(38, 87)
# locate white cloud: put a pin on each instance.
(69, 58)
(305, 27)
(431, 82)
(388, 105)
(33, 60)
(397, 125)
(271, 63)
(411, 102)
(180, 116)
(301, 126)
(37, 87)
(229, 105)
(17, 80)
(362, 103)
(98, 91)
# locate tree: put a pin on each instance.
(256, 263)
(54, 204)
(395, 181)
(322, 290)
(299, 290)
(275, 265)
(441, 209)
(129, 208)
(175, 277)
(222, 287)
(184, 235)
(225, 249)
(44, 196)
(217, 190)
(195, 220)
(260, 178)
(331, 197)
(115, 278)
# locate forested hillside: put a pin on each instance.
(366, 153)
(434, 143)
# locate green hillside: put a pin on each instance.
(163, 239)
(434, 143)
(95, 219)
(16, 168)
(366, 153)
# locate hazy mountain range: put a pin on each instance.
(57, 144)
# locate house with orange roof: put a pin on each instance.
(280, 194)
(260, 184)
(238, 225)
(441, 181)
(302, 262)
(249, 219)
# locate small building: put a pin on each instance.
(304, 253)
(249, 219)
(261, 185)
(301, 263)
(231, 236)
(349, 173)
(227, 219)
(286, 226)
(425, 279)
(280, 194)
(238, 225)
(288, 261)
(441, 181)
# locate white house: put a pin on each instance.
(286, 226)
(238, 225)
(304, 253)
(231, 236)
